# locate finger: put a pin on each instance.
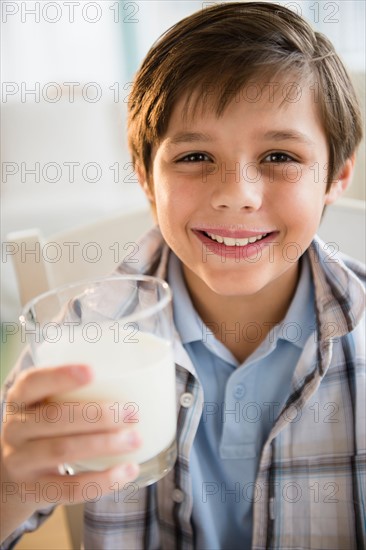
(38, 384)
(54, 489)
(92, 486)
(48, 419)
(36, 457)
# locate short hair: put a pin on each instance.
(226, 45)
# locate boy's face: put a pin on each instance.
(257, 172)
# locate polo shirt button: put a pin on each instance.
(178, 496)
(239, 391)
(186, 399)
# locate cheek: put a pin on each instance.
(299, 209)
(306, 195)
(171, 207)
(174, 197)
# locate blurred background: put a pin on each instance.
(66, 72)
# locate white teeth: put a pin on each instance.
(229, 241)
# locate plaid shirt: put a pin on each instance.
(310, 487)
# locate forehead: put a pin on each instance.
(285, 99)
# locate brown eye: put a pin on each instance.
(195, 157)
(278, 157)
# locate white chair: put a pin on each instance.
(90, 251)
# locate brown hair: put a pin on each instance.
(225, 46)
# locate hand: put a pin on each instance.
(35, 442)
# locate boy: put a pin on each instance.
(230, 114)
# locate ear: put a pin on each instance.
(144, 182)
(339, 186)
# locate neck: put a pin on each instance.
(241, 323)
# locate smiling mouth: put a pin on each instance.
(233, 241)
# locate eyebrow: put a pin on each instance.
(188, 137)
(274, 135)
(288, 135)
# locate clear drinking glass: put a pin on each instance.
(122, 327)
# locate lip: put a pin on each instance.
(235, 253)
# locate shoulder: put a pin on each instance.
(356, 267)
(339, 284)
(335, 265)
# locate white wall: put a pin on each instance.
(62, 123)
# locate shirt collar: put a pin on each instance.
(299, 321)
(339, 289)
(186, 318)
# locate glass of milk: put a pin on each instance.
(122, 327)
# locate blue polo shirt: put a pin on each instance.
(241, 404)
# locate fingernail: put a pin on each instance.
(81, 373)
(133, 439)
(129, 439)
(128, 471)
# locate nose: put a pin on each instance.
(237, 188)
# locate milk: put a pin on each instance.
(132, 370)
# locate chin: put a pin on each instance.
(230, 286)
